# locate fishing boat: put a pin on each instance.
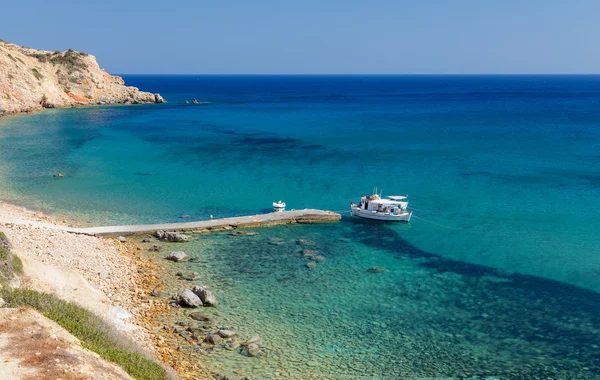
(278, 206)
(392, 208)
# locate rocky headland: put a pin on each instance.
(32, 79)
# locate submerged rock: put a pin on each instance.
(376, 270)
(191, 276)
(155, 248)
(275, 241)
(189, 298)
(253, 349)
(243, 233)
(311, 265)
(256, 339)
(177, 256)
(224, 333)
(207, 297)
(199, 317)
(309, 252)
(306, 242)
(213, 339)
(318, 259)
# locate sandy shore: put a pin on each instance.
(111, 278)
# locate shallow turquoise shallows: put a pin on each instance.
(497, 273)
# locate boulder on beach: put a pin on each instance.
(170, 236)
(189, 298)
(177, 256)
(207, 297)
(122, 239)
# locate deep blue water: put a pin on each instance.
(502, 171)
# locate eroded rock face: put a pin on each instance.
(33, 79)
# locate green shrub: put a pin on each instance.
(10, 264)
(93, 332)
(11, 57)
(36, 74)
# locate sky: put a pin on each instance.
(315, 37)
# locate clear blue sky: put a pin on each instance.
(310, 37)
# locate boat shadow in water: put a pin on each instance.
(542, 328)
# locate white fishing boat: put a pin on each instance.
(278, 206)
(393, 208)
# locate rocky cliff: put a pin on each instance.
(33, 79)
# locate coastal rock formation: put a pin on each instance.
(33, 79)
(170, 236)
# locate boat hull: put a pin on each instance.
(384, 216)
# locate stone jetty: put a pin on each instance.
(260, 220)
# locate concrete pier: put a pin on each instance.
(260, 220)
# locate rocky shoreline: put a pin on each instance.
(31, 80)
(111, 277)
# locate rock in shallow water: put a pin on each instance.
(199, 317)
(189, 298)
(306, 242)
(253, 349)
(170, 236)
(207, 297)
(154, 248)
(256, 339)
(243, 233)
(223, 333)
(376, 270)
(213, 339)
(309, 252)
(177, 256)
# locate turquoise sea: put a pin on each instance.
(497, 274)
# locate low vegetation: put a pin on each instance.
(94, 333)
(36, 74)
(10, 264)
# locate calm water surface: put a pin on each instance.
(499, 269)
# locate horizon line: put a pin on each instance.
(364, 74)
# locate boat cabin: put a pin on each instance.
(391, 204)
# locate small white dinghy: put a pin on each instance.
(392, 208)
(278, 206)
